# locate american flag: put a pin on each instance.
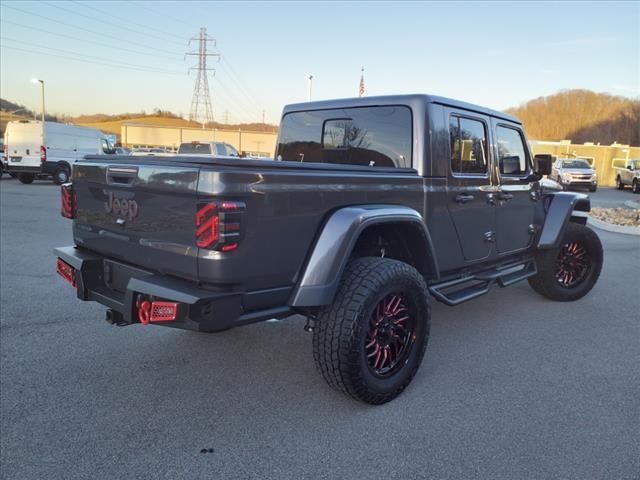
(361, 88)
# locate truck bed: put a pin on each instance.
(284, 206)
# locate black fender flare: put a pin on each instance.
(321, 275)
(561, 207)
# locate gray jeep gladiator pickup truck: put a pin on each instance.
(372, 207)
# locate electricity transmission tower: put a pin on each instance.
(201, 108)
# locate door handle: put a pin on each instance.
(464, 198)
(505, 196)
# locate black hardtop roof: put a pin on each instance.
(409, 99)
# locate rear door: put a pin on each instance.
(142, 213)
(469, 185)
(516, 200)
(24, 140)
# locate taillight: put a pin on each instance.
(156, 311)
(207, 225)
(218, 225)
(5, 153)
(68, 200)
(43, 154)
(67, 272)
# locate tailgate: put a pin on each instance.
(141, 213)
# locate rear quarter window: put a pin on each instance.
(365, 136)
(197, 148)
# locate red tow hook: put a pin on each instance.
(144, 312)
(152, 311)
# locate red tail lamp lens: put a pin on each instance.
(163, 311)
(67, 272)
(43, 153)
(156, 311)
(207, 223)
(219, 225)
(68, 197)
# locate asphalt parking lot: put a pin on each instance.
(513, 386)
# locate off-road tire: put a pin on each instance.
(635, 188)
(619, 184)
(61, 175)
(545, 282)
(342, 327)
(26, 178)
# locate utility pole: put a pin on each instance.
(201, 108)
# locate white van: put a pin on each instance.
(27, 154)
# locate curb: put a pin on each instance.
(631, 204)
(609, 227)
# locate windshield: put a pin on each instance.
(198, 148)
(578, 163)
(635, 164)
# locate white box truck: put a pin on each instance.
(32, 151)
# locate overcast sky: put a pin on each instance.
(116, 57)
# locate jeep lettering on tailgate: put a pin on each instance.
(121, 206)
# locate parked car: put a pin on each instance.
(151, 151)
(574, 172)
(33, 151)
(629, 176)
(376, 205)
(208, 149)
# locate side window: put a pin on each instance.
(468, 140)
(512, 156)
(231, 151)
(221, 149)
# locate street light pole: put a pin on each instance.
(41, 82)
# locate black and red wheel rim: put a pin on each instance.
(573, 265)
(391, 335)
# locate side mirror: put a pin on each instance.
(630, 167)
(542, 164)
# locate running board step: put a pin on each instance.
(459, 290)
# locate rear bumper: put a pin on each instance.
(9, 168)
(120, 287)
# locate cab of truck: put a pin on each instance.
(207, 149)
